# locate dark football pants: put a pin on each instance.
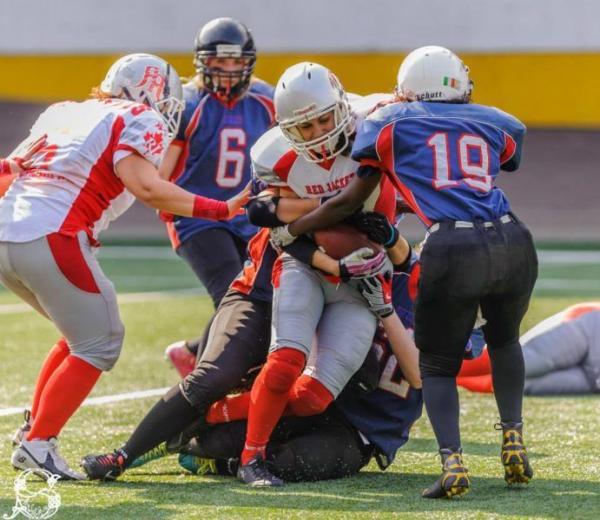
(301, 448)
(461, 269)
(216, 256)
(238, 340)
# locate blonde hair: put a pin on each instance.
(98, 93)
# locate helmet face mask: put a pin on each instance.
(225, 38)
(306, 92)
(147, 79)
(434, 73)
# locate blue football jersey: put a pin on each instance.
(443, 157)
(215, 159)
(386, 415)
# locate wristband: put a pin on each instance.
(5, 167)
(209, 208)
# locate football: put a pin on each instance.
(341, 239)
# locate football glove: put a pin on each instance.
(377, 227)
(363, 263)
(377, 290)
(281, 237)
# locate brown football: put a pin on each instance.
(341, 239)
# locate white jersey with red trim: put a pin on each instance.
(277, 164)
(71, 184)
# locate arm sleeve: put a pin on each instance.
(302, 249)
(514, 134)
(144, 133)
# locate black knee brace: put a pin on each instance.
(432, 364)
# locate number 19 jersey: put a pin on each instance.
(443, 157)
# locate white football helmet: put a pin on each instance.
(150, 80)
(434, 73)
(306, 91)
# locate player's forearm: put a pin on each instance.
(325, 263)
(404, 349)
(337, 208)
(289, 210)
(400, 251)
(170, 198)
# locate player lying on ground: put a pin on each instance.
(372, 417)
(561, 354)
(443, 153)
(92, 159)
(307, 155)
(226, 111)
(236, 341)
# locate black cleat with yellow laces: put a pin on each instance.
(517, 469)
(454, 480)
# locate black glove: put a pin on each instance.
(377, 227)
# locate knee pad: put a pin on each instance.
(103, 352)
(283, 368)
(309, 397)
(432, 364)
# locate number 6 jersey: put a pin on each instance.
(215, 160)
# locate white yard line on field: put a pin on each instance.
(97, 401)
(19, 308)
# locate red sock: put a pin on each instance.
(268, 398)
(230, 408)
(476, 367)
(53, 360)
(482, 384)
(64, 392)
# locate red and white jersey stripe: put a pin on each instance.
(71, 184)
(277, 164)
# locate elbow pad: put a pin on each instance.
(302, 249)
(262, 212)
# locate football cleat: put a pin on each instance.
(256, 474)
(104, 467)
(22, 430)
(180, 358)
(155, 453)
(517, 469)
(197, 465)
(42, 454)
(454, 480)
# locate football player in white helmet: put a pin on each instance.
(443, 154)
(313, 112)
(433, 73)
(306, 156)
(84, 165)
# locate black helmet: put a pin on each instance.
(224, 38)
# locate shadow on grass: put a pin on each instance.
(367, 492)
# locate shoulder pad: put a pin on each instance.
(266, 153)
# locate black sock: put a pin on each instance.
(508, 376)
(441, 400)
(166, 419)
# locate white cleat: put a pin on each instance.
(22, 430)
(43, 455)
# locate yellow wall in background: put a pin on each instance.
(541, 89)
